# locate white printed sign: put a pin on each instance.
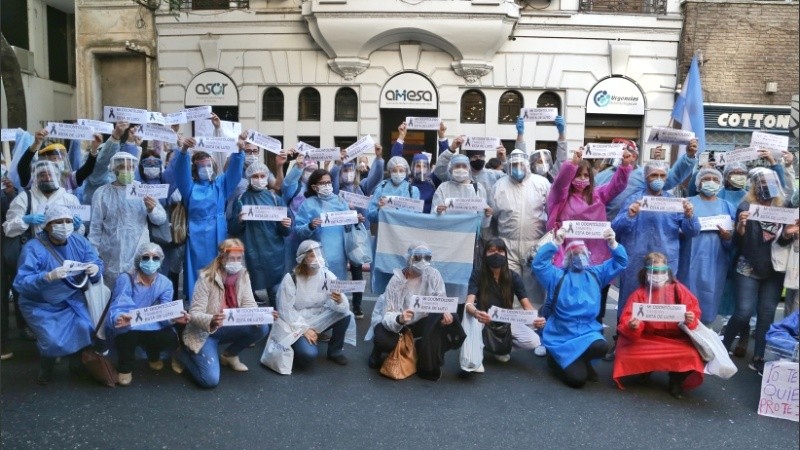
(198, 113)
(346, 286)
(69, 131)
(74, 266)
(772, 142)
(773, 214)
(361, 146)
(603, 151)
(666, 135)
(84, 212)
(268, 143)
(658, 313)
(216, 144)
(156, 132)
(302, 147)
(735, 156)
(538, 114)
(481, 143)
(434, 304)
(465, 204)
(423, 123)
(175, 118)
(265, 213)
(411, 204)
(97, 126)
(156, 117)
(324, 154)
(520, 316)
(711, 223)
(141, 190)
(355, 200)
(247, 316)
(661, 204)
(157, 313)
(585, 229)
(780, 391)
(336, 218)
(9, 134)
(121, 113)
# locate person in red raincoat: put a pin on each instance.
(646, 346)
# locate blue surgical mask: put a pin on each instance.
(518, 173)
(398, 178)
(656, 185)
(149, 267)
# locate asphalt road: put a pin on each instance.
(513, 405)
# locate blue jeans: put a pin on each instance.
(305, 352)
(204, 366)
(759, 295)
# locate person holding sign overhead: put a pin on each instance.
(141, 288)
(432, 330)
(309, 308)
(493, 284)
(264, 240)
(223, 284)
(758, 284)
(705, 258)
(644, 347)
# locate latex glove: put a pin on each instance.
(520, 125)
(559, 237)
(611, 237)
(92, 270)
(33, 219)
(561, 126)
(76, 222)
(59, 273)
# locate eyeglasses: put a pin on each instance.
(324, 183)
(418, 258)
(148, 258)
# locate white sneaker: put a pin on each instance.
(480, 369)
(503, 358)
(233, 362)
(540, 351)
(156, 365)
(124, 379)
(176, 365)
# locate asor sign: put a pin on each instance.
(212, 88)
(615, 95)
(409, 90)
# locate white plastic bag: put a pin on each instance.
(377, 317)
(97, 297)
(358, 245)
(472, 349)
(278, 353)
(792, 278)
(721, 365)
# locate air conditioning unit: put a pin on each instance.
(25, 58)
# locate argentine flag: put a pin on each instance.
(451, 238)
(688, 110)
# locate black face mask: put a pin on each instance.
(47, 186)
(477, 164)
(496, 260)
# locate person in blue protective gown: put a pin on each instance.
(733, 189)
(308, 225)
(572, 335)
(51, 297)
(263, 240)
(396, 186)
(705, 258)
(421, 175)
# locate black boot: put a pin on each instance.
(46, 366)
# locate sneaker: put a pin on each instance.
(156, 365)
(339, 359)
(176, 365)
(740, 351)
(374, 361)
(124, 379)
(540, 351)
(676, 391)
(233, 362)
(480, 369)
(503, 358)
(6, 355)
(611, 353)
(757, 365)
(358, 313)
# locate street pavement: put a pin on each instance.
(518, 404)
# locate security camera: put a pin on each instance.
(161, 83)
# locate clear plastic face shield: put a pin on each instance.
(766, 184)
(151, 167)
(46, 176)
(576, 256)
(57, 154)
(252, 154)
(347, 175)
(541, 161)
(421, 169)
(205, 169)
(517, 165)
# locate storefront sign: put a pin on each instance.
(212, 88)
(615, 95)
(746, 118)
(409, 90)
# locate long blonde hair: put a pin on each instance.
(752, 197)
(217, 266)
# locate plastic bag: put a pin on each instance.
(358, 245)
(377, 317)
(97, 296)
(472, 351)
(720, 365)
(278, 353)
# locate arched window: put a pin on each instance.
(510, 104)
(549, 100)
(346, 107)
(473, 107)
(308, 105)
(272, 105)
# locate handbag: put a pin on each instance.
(720, 363)
(358, 244)
(402, 361)
(160, 234)
(12, 247)
(178, 220)
(497, 338)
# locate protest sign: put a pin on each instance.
(434, 304)
(465, 204)
(520, 316)
(603, 151)
(9, 134)
(216, 144)
(141, 190)
(666, 135)
(658, 313)
(69, 131)
(97, 126)
(772, 142)
(735, 156)
(268, 143)
(303, 148)
(197, 113)
(204, 127)
(661, 204)
(74, 266)
(156, 117)
(585, 229)
(247, 316)
(336, 218)
(780, 392)
(710, 223)
(411, 204)
(354, 200)
(84, 212)
(423, 123)
(538, 114)
(265, 213)
(157, 313)
(773, 214)
(156, 132)
(361, 146)
(480, 143)
(324, 154)
(346, 286)
(121, 113)
(175, 118)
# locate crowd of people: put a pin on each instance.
(525, 257)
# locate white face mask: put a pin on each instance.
(325, 190)
(658, 279)
(398, 177)
(258, 184)
(233, 267)
(61, 231)
(151, 172)
(349, 177)
(460, 175)
(250, 159)
(419, 266)
(317, 263)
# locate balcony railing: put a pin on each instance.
(653, 7)
(200, 5)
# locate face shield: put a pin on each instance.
(46, 176)
(766, 184)
(541, 162)
(576, 256)
(310, 253)
(151, 168)
(517, 165)
(347, 176)
(122, 165)
(57, 154)
(420, 168)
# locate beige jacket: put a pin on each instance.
(209, 299)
